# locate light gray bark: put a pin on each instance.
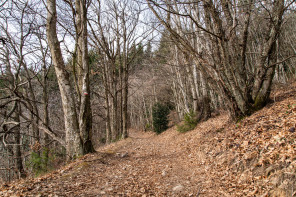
(227, 43)
(17, 146)
(74, 146)
(85, 114)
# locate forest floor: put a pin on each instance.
(254, 157)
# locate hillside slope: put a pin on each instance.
(255, 157)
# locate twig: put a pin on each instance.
(198, 192)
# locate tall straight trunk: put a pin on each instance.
(74, 146)
(196, 92)
(113, 95)
(181, 84)
(115, 131)
(36, 132)
(125, 88)
(34, 109)
(85, 114)
(107, 103)
(121, 86)
(125, 100)
(108, 121)
(45, 109)
(205, 99)
(17, 147)
(45, 97)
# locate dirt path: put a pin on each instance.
(170, 164)
(255, 157)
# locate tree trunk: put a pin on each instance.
(45, 109)
(107, 103)
(74, 146)
(205, 100)
(226, 43)
(85, 114)
(125, 86)
(125, 100)
(34, 108)
(264, 74)
(17, 146)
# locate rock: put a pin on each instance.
(178, 188)
(277, 138)
(110, 189)
(245, 143)
(122, 155)
(292, 129)
(163, 173)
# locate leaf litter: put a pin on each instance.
(254, 157)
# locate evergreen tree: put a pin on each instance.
(160, 114)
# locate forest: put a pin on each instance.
(79, 74)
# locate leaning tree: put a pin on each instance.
(237, 60)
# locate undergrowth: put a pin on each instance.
(44, 161)
(189, 124)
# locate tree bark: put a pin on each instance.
(74, 147)
(17, 146)
(265, 73)
(227, 44)
(85, 114)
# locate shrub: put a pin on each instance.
(189, 124)
(39, 162)
(42, 162)
(160, 114)
(148, 127)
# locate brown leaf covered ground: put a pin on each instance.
(255, 157)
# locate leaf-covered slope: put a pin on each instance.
(255, 157)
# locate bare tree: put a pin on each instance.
(73, 140)
(115, 37)
(222, 31)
